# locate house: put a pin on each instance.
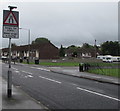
(40, 51)
(82, 52)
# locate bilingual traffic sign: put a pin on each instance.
(10, 24)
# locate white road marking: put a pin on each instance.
(41, 69)
(50, 79)
(103, 95)
(29, 76)
(27, 72)
(17, 71)
(14, 68)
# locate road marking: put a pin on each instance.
(41, 69)
(17, 71)
(27, 72)
(30, 76)
(14, 68)
(103, 95)
(50, 79)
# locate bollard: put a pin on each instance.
(81, 67)
(9, 92)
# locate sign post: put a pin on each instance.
(10, 30)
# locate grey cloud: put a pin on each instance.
(69, 23)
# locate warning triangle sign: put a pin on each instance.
(10, 19)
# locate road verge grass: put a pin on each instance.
(72, 64)
(108, 72)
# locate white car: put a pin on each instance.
(3, 57)
(107, 59)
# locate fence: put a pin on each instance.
(111, 69)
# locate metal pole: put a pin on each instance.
(29, 45)
(95, 48)
(9, 89)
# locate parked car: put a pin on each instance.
(4, 58)
(107, 59)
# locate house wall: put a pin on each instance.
(49, 52)
(41, 51)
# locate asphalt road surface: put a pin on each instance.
(57, 91)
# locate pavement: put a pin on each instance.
(74, 71)
(19, 99)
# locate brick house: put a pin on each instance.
(82, 52)
(40, 51)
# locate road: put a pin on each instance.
(57, 91)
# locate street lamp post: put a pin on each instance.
(28, 43)
(95, 49)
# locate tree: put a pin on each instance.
(86, 45)
(110, 48)
(40, 40)
(13, 45)
(62, 52)
(74, 50)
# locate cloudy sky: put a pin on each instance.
(66, 23)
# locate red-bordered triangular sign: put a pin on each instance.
(10, 19)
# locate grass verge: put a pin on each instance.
(59, 64)
(108, 72)
(72, 64)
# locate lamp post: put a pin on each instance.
(28, 43)
(95, 49)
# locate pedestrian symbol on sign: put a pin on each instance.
(10, 19)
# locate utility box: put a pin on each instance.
(81, 67)
(36, 61)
